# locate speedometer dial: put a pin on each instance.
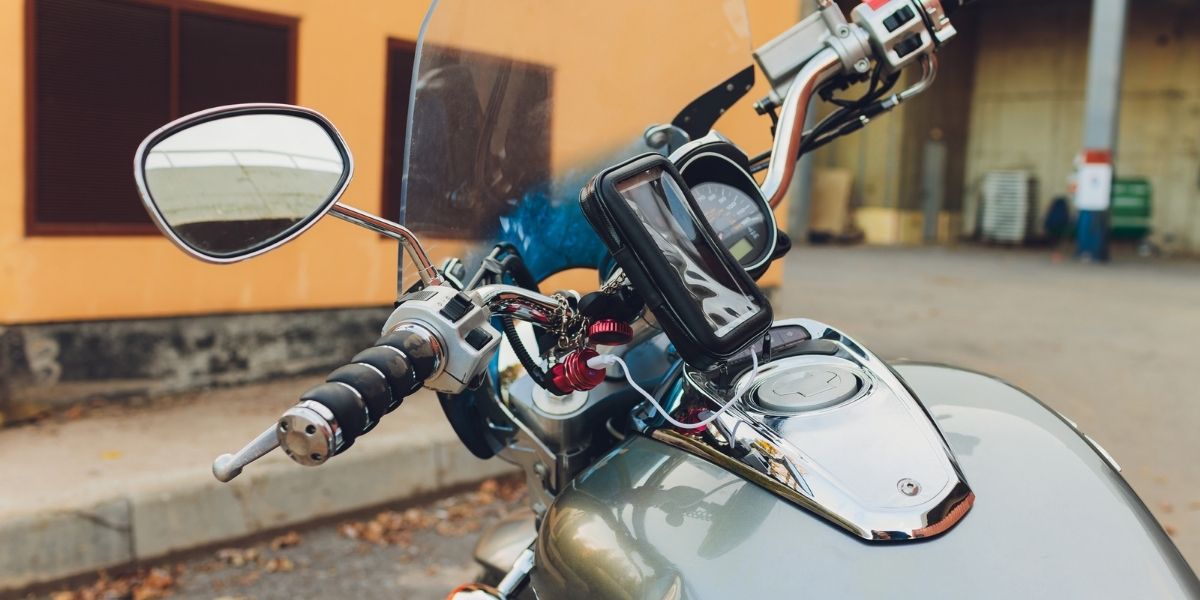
(737, 219)
(718, 174)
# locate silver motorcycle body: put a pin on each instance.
(1052, 518)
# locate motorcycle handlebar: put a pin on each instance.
(355, 397)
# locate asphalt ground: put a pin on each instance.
(401, 552)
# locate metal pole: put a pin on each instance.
(1102, 111)
(933, 184)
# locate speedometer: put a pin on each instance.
(717, 173)
(736, 217)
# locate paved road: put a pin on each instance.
(416, 552)
(1110, 347)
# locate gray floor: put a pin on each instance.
(412, 552)
(1112, 347)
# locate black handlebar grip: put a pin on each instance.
(375, 382)
(347, 408)
(371, 384)
(417, 348)
(397, 371)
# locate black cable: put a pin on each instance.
(848, 119)
(515, 267)
(761, 158)
(843, 121)
(514, 339)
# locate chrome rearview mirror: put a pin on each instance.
(233, 182)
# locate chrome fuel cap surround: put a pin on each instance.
(833, 429)
(806, 388)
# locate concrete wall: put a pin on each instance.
(58, 364)
(1027, 103)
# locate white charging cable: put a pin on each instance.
(603, 361)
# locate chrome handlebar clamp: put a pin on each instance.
(895, 33)
(783, 58)
(456, 327)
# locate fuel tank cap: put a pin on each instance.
(807, 387)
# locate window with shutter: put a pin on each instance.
(102, 74)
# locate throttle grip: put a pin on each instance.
(437, 337)
(355, 396)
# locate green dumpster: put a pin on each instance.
(1131, 204)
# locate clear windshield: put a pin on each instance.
(516, 104)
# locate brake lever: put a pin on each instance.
(228, 466)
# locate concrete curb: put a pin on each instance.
(185, 512)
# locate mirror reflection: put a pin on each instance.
(237, 184)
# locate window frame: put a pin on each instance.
(33, 227)
(391, 179)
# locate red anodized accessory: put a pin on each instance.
(574, 375)
(609, 332)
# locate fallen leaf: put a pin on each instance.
(1167, 507)
(279, 565)
(1170, 530)
(237, 557)
(154, 584)
(286, 540)
(111, 455)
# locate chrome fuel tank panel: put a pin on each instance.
(1054, 520)
(829, 426)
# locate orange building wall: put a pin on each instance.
(341, 67)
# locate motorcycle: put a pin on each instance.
(677, 440)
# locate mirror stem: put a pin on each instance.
(396, 231)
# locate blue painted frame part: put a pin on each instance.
(552, 235)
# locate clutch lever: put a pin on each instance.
(228, 466)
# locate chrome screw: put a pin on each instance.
(908, 487)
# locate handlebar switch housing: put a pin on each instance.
(457, 330)
(782, 58)
(903, 30)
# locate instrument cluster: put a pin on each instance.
(718, 174)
